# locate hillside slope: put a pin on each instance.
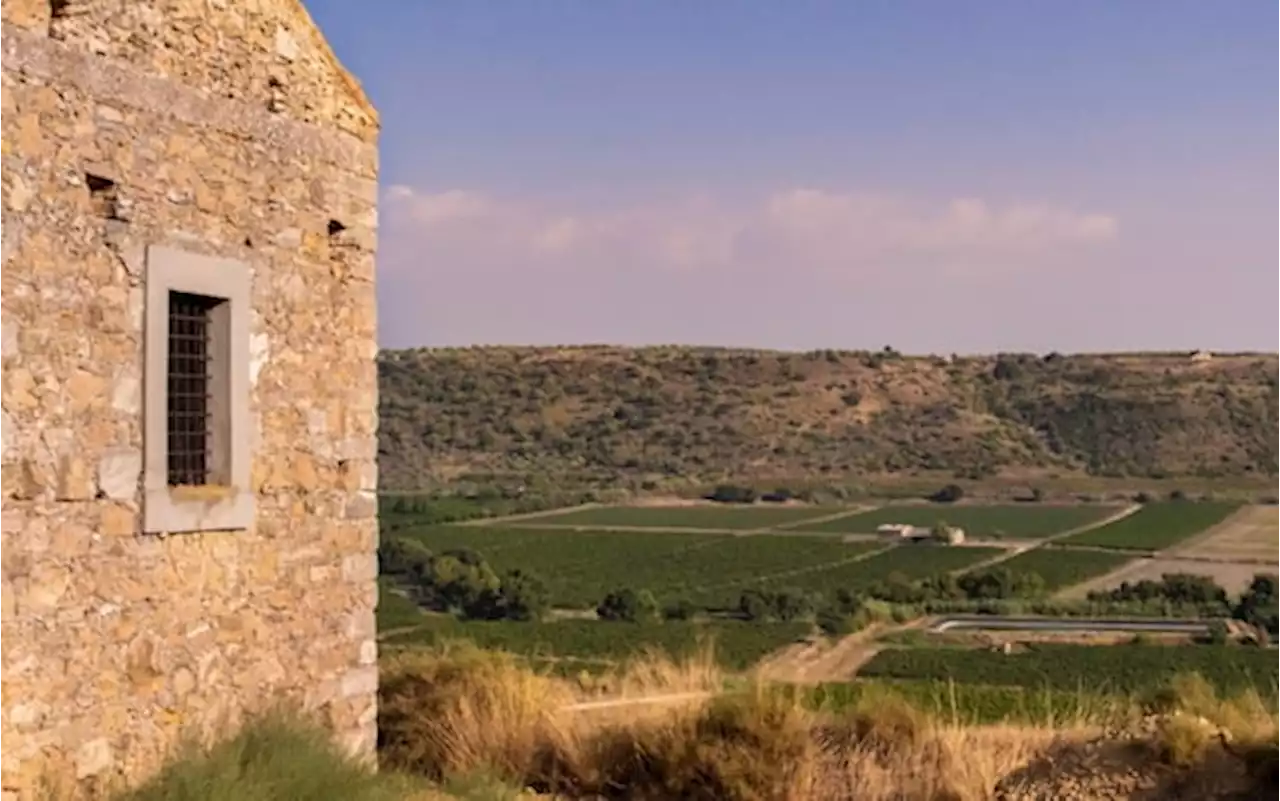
(606, 415)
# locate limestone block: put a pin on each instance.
(360, 681)
(93, 758)
(75, 480)
(119, 473)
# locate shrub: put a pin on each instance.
(628, 605)
(680, 609)
(273, 758)
(728, 493)
(948, 494)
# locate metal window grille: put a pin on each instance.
(188, 397)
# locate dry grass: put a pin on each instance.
(478, 725)
(469, 711)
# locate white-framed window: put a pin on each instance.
(196, 432)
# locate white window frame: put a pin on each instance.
(229, 504)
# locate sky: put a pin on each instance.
(939, 177)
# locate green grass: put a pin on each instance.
(737, 645)
(395, 610)
(1156, 526)
(1123, 669)
(1062, 568)
(735, 518)
(580, 568)
(1014, 521)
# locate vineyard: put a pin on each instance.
(965, 704)
(1062, 568)
(906, 561)
(580, 568)
(729, 518)
(1021, 521)
(584, 642)
(1122, 669)
(1156, 526)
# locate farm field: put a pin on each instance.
(1011, 521)
(1234, 577)
(966, 704)
(909, 561)
(1108, 669)
(1156, 526)
(1251, 535)
(580, 568)
(737, 645)
(728, 518)
(1062, 568)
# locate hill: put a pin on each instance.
(612, 416)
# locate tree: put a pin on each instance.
(948, 494)
(403, 557)
(791, 605)
(1258, 604)
(519, 595)
(728, 493)
(628, 605)
(833, 623)
(450, 584)
(754, 605)
(524, 595)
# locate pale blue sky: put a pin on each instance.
(937, 176)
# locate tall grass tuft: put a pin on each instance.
(274, 758)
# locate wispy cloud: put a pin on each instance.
(801, 229)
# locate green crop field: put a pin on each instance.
(1156, 526)
(737, 645)
(1015, 521)
(1112, 669)
(966, 704)
(910, 561)
(735, 518)
(1063, 568)
(581, 567)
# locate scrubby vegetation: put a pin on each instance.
(542, 418)
(470, 725)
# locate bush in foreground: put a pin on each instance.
(272, 759)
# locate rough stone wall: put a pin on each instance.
(264, 52)
(117, 643)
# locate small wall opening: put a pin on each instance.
(60, 11)
(276, 94)
(103, 196)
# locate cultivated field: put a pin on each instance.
(723, 518)
(1156, 526)
(581, 567)
(1251, 535)
(1231, 576)
(906, 561)
(1012, 521)
(1063, 568)
(1112, 669)
(574, 645)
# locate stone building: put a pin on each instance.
(189, 395)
